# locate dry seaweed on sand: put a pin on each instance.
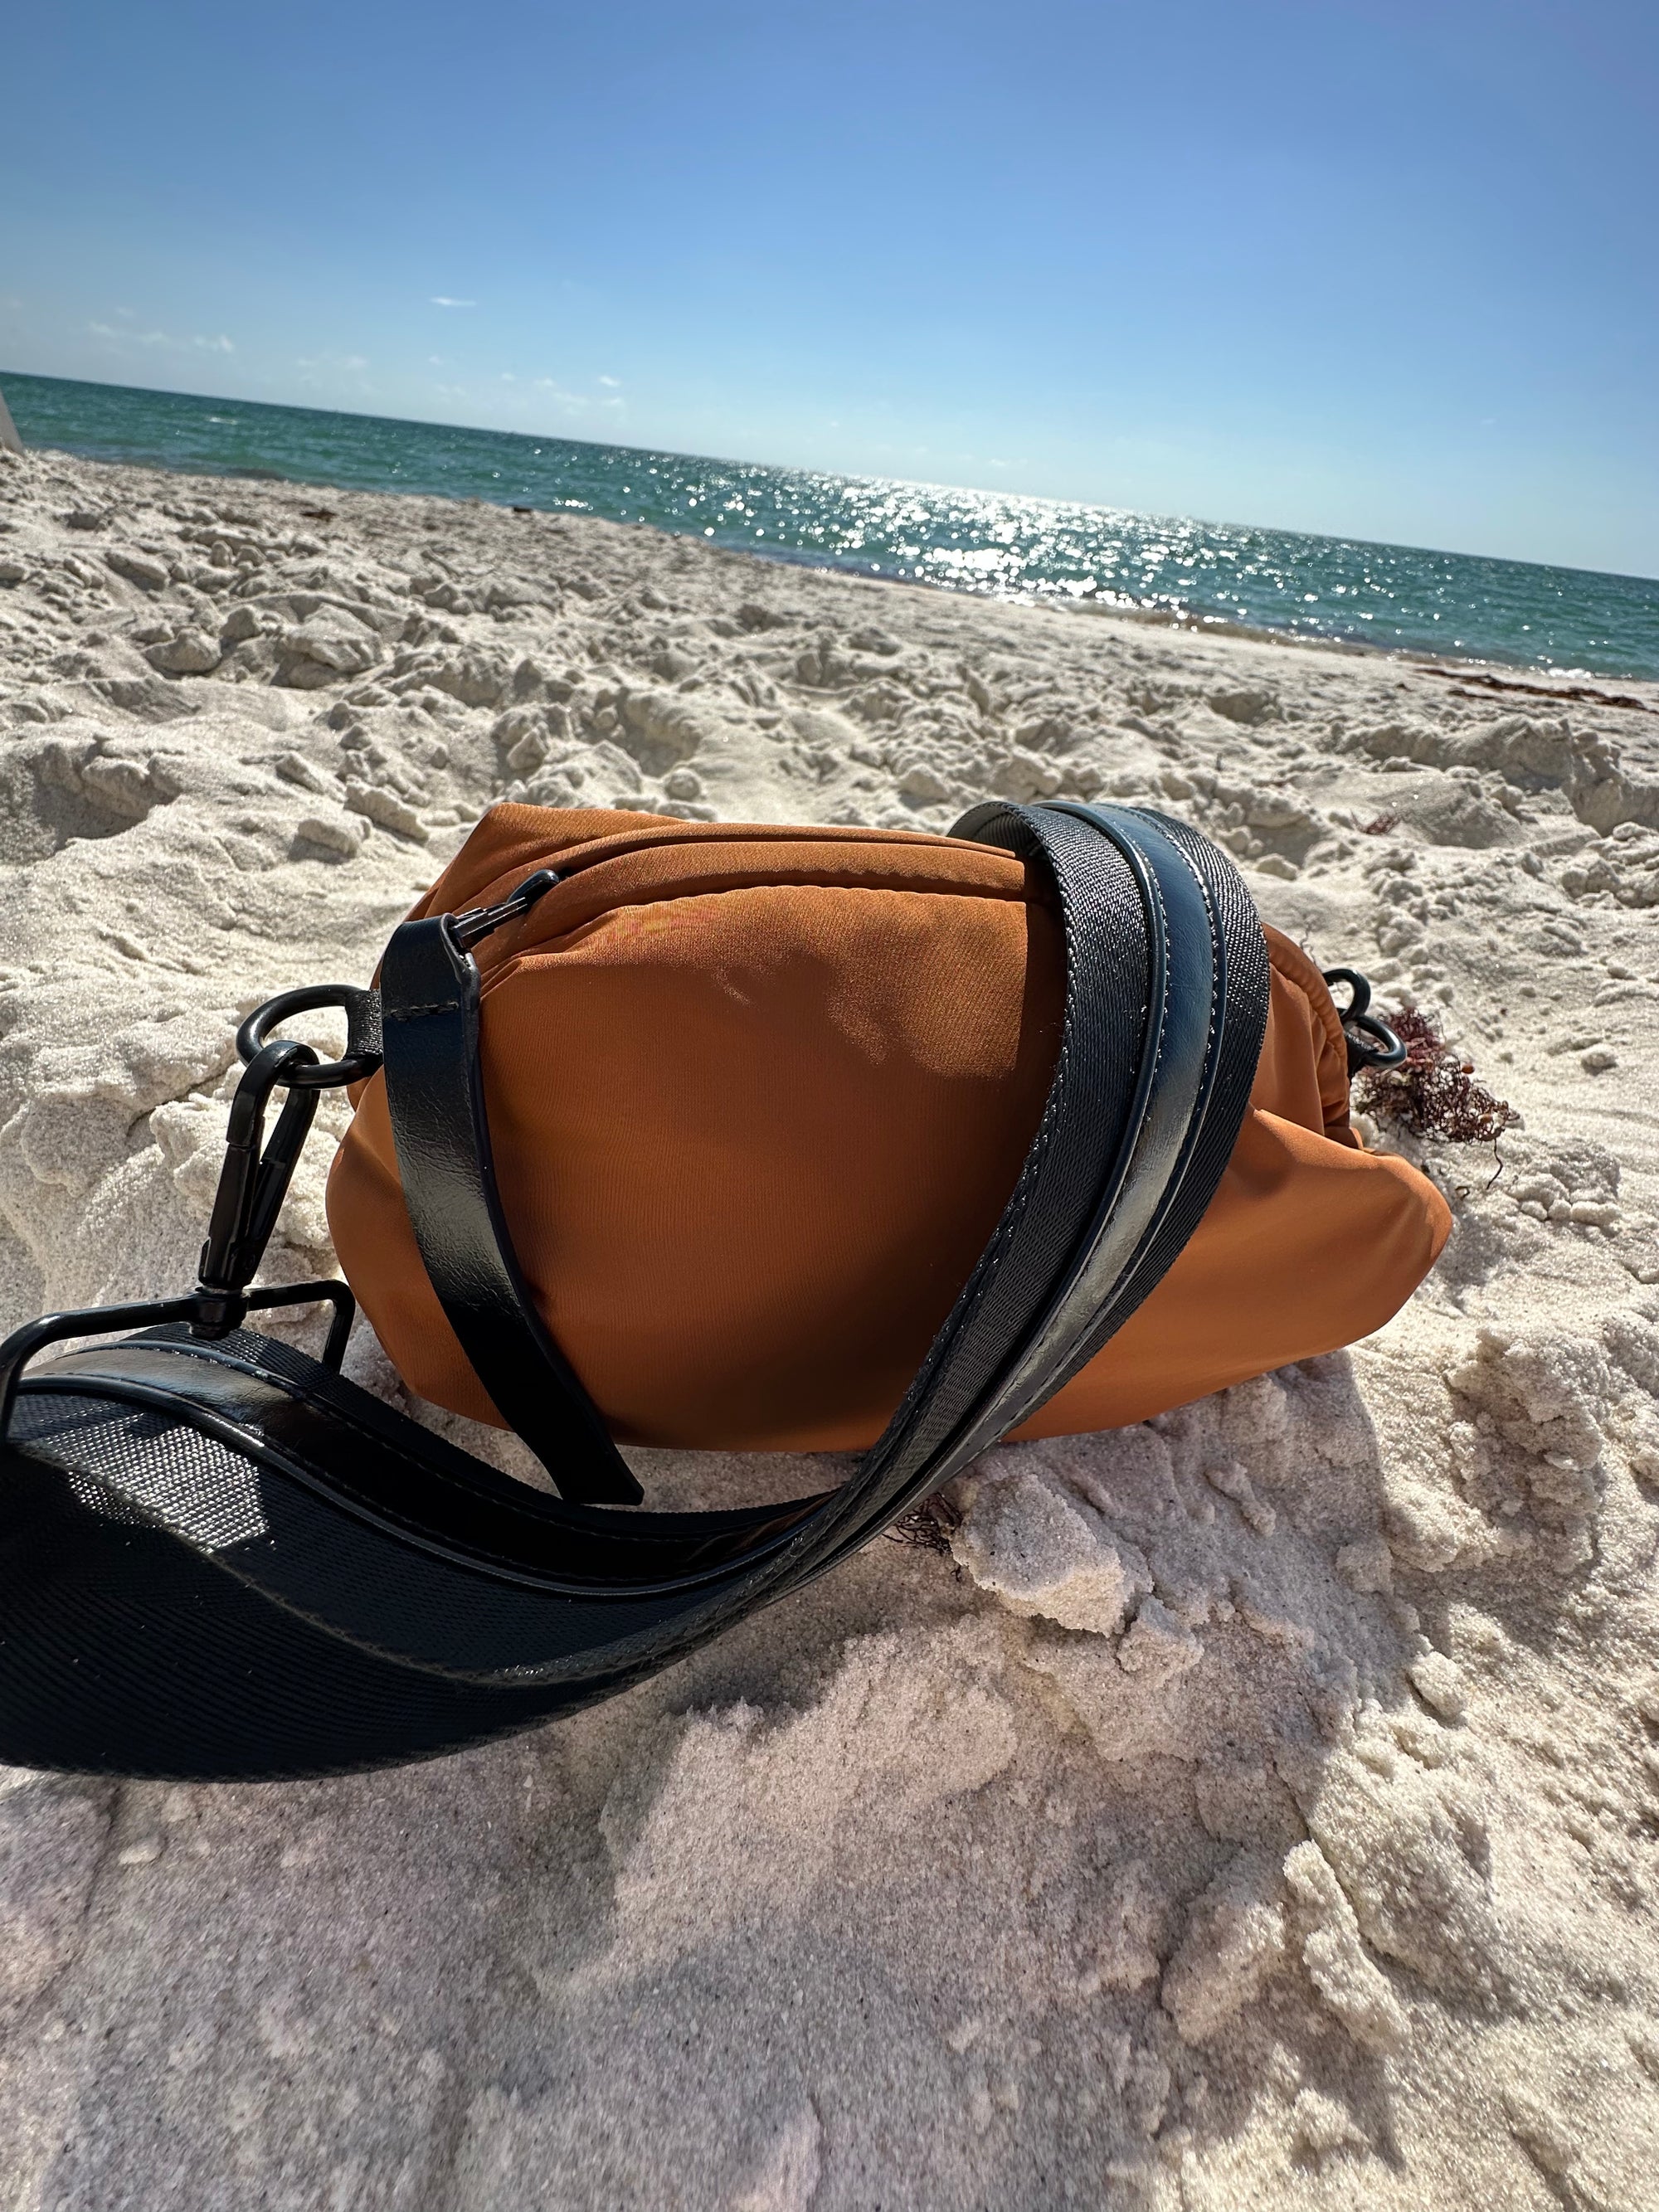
(928, 1527)
(1435, 1092)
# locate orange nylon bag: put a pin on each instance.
(757, 1097)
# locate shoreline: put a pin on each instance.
(1328, 1878)
(1191, 622)
(982, 543)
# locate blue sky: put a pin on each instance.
(1386, 270)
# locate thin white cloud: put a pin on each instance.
(198, 344)
(332, 364)
(441, 300)
(614, 383)
(577, 402)
(548, 390)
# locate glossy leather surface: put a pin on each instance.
(434, 1092)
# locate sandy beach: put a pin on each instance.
(1259, 1807)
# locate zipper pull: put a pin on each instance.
(478, 922)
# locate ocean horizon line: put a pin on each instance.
(1163, 517)
(1313, 586)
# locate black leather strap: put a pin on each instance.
(1240, 989)
(1140, 1177)
(434, 1092)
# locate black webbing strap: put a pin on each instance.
(1240, 990)
(1166, 1006)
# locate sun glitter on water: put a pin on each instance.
(994, 543)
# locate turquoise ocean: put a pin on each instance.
(994, 543)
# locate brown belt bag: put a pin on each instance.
(691, 1134)
(757, 1097)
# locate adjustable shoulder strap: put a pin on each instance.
(435, 1093)
(1166, 996)
(1166, 1006)
(1240, 988)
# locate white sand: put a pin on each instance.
(1263, 1812)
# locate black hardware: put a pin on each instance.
(21, 1346)
(478, 922)
(252, 1184)
(1385, 1049)
(362, 1053)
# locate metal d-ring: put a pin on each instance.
(363, 1054)
(1384, 1050)
(361, 1009)
(1359, 988)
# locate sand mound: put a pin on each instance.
(1256, 1806)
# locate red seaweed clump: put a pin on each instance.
(1435, 1093)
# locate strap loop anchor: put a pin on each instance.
(1371, 1043)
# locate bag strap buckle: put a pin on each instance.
(252, 1185)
